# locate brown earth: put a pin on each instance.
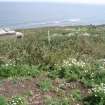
(31, 91)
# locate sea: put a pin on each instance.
(41, 14)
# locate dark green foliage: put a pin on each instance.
(92, 100)
(69, 73)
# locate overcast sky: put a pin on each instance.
(66, 1)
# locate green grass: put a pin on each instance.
(56, 101)
(46, 85)
(76, 95)
(3, 101)
(19, 71)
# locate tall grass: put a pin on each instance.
(34, 48)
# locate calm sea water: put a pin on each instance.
(20, 15)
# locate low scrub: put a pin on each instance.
(97, 97)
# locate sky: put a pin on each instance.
(97, 2)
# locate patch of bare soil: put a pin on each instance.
(26, 87)
(30, 89)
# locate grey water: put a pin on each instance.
(35, 14)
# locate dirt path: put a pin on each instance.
(27, 88)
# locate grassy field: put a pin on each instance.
(54, 66)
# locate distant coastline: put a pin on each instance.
(26, 15)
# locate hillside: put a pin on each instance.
(54, 66)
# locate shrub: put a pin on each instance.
(97, 97)
(94, 74)
(69, 73)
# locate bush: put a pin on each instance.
(97, 97)
(69, 73)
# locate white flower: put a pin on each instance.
(7, 64)
(72, 61)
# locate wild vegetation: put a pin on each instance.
(54, 66)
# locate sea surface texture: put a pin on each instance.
(24, 15)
